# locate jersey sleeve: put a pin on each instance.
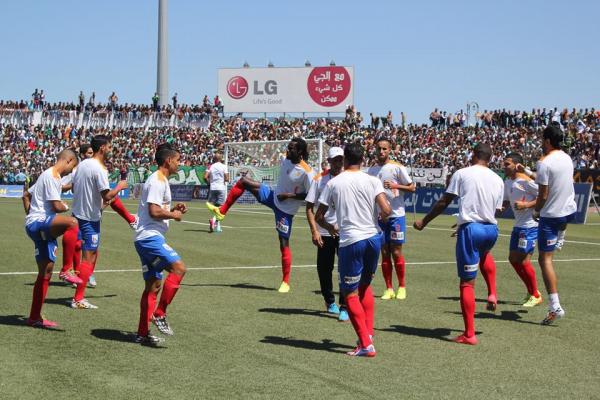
(378, 187)
(52, 190)
(532, 188)
(324, 198)
(102, 180)
(542, 174)
(156, 193)
(313, 192)
(402, 176)
(308, 179)
(454, 186)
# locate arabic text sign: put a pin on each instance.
(308, 89)
(429, 175)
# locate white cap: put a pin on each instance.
(335, 152)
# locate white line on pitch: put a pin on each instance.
(278, 266)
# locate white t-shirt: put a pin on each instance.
(46, 189)
(293, 178)
(156, 190)
(393, 171)
(316, 188)
(89, 181)
(556, 171)
(216, 174)
(480, 191)
(521, 189)
(352, 195)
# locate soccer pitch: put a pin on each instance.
(237, 337)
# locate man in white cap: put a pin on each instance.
(327, 245)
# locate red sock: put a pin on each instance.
(488, 270)
(119, 208)
(286, 263)
(236, 191)
(39, 295)
(358, 319)
(529, 271)
(467, 305)
(147, 305)
(85, 270)
(386, 270)
(77, 256)
(518, 267)
(367, 301)
(69, 242)
(401, 271)
(169, 291)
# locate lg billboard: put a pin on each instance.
(279, 90)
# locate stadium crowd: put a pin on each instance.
(27, 148)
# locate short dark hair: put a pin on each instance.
(483, 152)
(554, 135)
(383, 139)
(516, 157)
(302, 147)
(353, 153)
(84, 148)
(164, 151)
(99, 141)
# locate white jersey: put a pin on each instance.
(89, 181)
(216, 175)
(352, 195)
(46, 189)
(480, 191)
(156, 190)
(397, 173)
(556, 171)
(293, 178)
(521, 189)
(316, 188)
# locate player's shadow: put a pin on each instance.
(51, 283)
(435, 333)
(19, 320)
(67, 300)
(298, 311)
(197, 230)
(324, 345)
(234, 286)
(504, 315)
(116, 335)
(455, 298)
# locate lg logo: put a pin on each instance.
(237, 87)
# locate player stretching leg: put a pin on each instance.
(71, 239)
(520, 193)
(90, 191)
(556, 207)
(295, 176)
(396, 181)
(356, 197)
(217, 177)
(327, 245)
(156, 255)
(481, 192)
(42, 204)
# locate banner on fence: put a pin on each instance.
(591, 176)
(12, 191)
(124, 194)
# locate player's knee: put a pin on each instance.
(178, 268)
(514, 259)
(72, 223)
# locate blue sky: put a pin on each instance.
(408, 56)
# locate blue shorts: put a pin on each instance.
(155, 255)
(45, 245)
(394, 230)
(473, 240)
(283, 221)
(357, 263)
(89, 234)
(523, 239)
(548, 231)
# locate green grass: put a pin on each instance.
(236, 337)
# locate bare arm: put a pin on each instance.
(505, 205)
(384, 205)
(26, 201)
(157, 212)
(226, 177)
(108, 195)
(312, 223)
(436, 210)
(59, 207)
(541, 198)
(522, 205)
(320, 218)
(67, 187)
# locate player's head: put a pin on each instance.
(383, 146)
(353, 155)
(167, 157)
(297, 150)
(553, 138)
(217, 157)
(482, 153)
(510, 164)
(85, 151)
(66, 160)
(101, 145)
(335, 158)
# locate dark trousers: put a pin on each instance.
(325, 262)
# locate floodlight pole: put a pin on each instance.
(162, 71)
